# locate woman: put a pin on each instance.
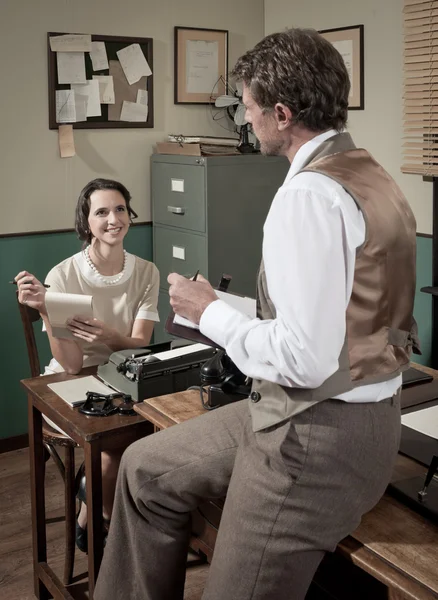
(125, 295)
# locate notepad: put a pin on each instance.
(74, 391)
(61, 307)
(243, 304)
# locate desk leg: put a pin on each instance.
(37, 472)
(93, 475)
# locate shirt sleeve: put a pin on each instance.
(305, 265)
(147, 308)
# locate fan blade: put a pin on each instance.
(239, 88)
(239, 117)
(223, 101)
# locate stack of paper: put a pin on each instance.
(74, 391)
(425, 421)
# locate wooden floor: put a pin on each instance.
(16, 582)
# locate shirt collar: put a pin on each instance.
(88, 274)
(306, 150)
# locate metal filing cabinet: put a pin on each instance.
(208, 214)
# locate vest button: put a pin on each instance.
(255, 396)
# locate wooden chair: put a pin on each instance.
(52, 440)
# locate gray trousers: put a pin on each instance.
(293, 492)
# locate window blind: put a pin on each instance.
(420, 113)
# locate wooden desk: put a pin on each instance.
(93, 434)
(393, 544)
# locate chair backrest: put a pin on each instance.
(28, 317)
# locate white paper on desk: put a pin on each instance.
(243, 304)
(98, 56)
(71, 42)
(91, 90)
(134, 63)
(74, 391)
(425, 421)
(71, 67)
(65, 106)
(106, 89)
(131, 111)
(61, 307)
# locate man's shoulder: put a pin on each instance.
(312, 183)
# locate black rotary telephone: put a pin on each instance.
(226, 383)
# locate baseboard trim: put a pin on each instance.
(14, 443)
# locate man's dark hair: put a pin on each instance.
(302, 70)
(83, 205)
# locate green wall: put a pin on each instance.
(38, 253)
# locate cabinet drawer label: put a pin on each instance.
(178, 252)
(177, 185)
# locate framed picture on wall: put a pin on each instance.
(201, 64)
(349, 43)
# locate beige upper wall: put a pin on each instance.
(378, 128)
(39, 190)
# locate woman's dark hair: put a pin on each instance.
(83, 205)
(303, 71)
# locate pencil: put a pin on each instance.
(15, 283)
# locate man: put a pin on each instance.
(314, 447)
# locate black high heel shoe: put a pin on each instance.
(81, 535)
(81, 538)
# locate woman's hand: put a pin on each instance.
(31, 291)
(92, 330)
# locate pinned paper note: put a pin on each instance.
(66, 141)
(65, 106)
(81, 103)
(131, 111)
(98, 56)
(71, 42)
(106, 88)
(91, 90)
(142, 97)
(134, 63)
(71, 67)
(122, 90)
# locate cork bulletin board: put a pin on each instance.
(123, 91)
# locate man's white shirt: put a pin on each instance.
(310, 239)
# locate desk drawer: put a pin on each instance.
(177, 251)
(178, 196)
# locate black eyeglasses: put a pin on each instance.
(101, 405)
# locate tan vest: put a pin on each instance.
(380, 329)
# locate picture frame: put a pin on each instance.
(107, 120)
(349, 42)
(201, 65)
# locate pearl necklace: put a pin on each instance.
(110, 279)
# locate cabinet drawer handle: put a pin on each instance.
(176, 210)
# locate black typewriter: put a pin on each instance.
(156, 370)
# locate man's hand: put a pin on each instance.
(189, 298)
(92, 330)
